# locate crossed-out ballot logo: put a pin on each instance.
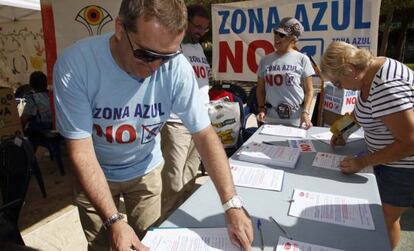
(149, 132)
(313, 47)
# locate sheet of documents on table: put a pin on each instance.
(188, 239)
(286, 244)
(327, 160)
(257, 177)
(284, 131)
(329, 208)
(260, 153)
(325, 137)
(331, 161)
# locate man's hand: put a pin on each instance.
(123, 238)
(351, 165)
(239, 226)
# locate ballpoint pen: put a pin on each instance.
(259, 227)
(270, 143)
(280, 227)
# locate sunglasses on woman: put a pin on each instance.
(149, 56)
(281, 35)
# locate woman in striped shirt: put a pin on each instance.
(385, 111)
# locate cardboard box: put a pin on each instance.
(329, 118)
(339, 101)
(9, 117)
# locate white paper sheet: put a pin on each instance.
(331, 161)
(325, 137)
(304, 145)
(284, 131)
(329, 208)
(257, 177)
(285, 244)
(327, 160)
(188, 239)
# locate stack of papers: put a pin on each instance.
(281, 156)
(188, 239)
(257, 177)
(284, 131)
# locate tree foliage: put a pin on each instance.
(397, 4)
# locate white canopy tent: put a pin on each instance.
(18, 10)
(22, 49)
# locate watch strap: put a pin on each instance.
(111, 220)
(234, 202)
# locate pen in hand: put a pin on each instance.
(259, 227)
(280, 227)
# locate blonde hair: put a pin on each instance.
(339, 54)
(170, 13)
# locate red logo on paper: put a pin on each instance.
(287, 246)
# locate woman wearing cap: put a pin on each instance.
(284, 84)
(384, 109)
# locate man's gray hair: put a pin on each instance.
(170, 13)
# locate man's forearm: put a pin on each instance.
(91, 177)
(215, 160)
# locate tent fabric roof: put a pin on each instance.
(12, 10)
(25, 4)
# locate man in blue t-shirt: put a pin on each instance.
(113, 93)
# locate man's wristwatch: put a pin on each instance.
(234, 202)
(111, 220)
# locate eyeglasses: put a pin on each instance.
(150, 56)
(199, 27)
(281, 35)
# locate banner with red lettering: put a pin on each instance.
(242, 31)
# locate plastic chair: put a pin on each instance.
(51, 140)
(16, 158)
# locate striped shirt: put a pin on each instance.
(392, 90)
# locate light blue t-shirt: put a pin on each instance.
(123, 114)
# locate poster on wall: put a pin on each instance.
(242, 31)
(22, 51)
(75, 20)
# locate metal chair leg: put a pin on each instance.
(38, 175)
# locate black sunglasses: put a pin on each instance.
(149, 56)
(281, 35)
